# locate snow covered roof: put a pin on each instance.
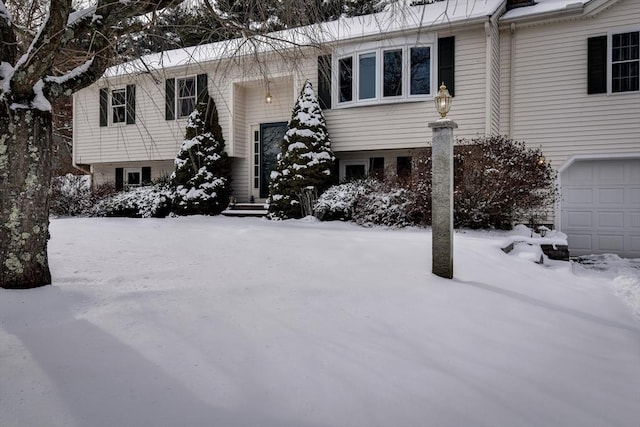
(548, 7)
(398, 18)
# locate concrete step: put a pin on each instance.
(246, 209)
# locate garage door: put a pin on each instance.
(600, 208)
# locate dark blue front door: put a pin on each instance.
(271, 136)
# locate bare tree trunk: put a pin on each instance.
(25, 175)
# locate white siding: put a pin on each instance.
(551, 107)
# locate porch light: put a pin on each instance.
(443, 101)
(542, 160)
(268, 98)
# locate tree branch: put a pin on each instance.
(42, 52)
(8, 43)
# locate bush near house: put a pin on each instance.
(152, 201)
(70, 195)
(497, 181)
(304, 165)
(202, 178)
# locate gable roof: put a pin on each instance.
(400, 17)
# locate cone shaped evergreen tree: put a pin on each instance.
(306, 162)
(202, 178)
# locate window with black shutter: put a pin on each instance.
(104, 107)
(597, 65)
(324, 81)
(446, 63)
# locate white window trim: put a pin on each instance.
(403, 43)
(125, 177)
(610, 35)
(178, 98)
(112, 106)
(353, 162)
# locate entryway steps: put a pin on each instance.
(246, 209)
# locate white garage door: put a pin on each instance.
(600, 208)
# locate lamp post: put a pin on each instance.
(442, 187)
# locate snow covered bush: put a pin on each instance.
(304, 165)
(497, 181)
(70, 195)
(366, 202)
(338, 202)
(388, 206)
(501, 181)
(152, 201)
(202, 178)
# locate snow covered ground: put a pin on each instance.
(244, 322)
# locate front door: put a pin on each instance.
(271, 136)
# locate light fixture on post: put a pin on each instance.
(442, 189)
(443, 101)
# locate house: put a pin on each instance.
(561, 75)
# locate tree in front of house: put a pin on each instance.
(33, 76)
(202, 178)
(305, 163)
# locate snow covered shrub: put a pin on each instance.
(501, 180)
(70, 195)
(304, 165)
(387, 205)
(153, 201)
(496, 181)
(202, 178)
(338, 202)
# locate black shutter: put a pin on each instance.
(597, 65)
(170, 99)
(131, 104)
(202, 87)
(446, 63)
(119, 179)
(104, 107)
(146, 175)
(324, 81)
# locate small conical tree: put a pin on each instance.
(202, 178)
(305, 163)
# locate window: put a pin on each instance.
(613, 63)
(392, 73)
(132, 177)
(186, 92)
(385, 75)
(376, 166)
(182, 95)
(420, 70)
(118, 105)
(353, 169)
(403, 167)
(625, 62)
(367, 77)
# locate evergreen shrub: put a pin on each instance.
(202, 178)
(304, 165)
